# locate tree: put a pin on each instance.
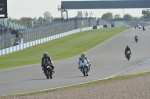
(40, 19)
(20, 22)
(107, 16)
(27, 21)
(47, 16)
(10, 19)
(135, 18)
(17, 21)
(35, 20)
(117, 16)
(127, 17)
(147, 16)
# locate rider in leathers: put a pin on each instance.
(143, 27)
(81, 58)
(127, 49)
(136, 37)
(44, 58)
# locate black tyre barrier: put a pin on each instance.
(94, 27)
(104, 26)
(112, 25)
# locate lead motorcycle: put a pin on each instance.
(48, 70)
(84, 68)
(128, 55)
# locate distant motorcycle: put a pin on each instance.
(48, 70)
(139, 27)
(128, 55)
(143, 28)
(136, 39)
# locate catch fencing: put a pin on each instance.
(42, 40)
(11, 43)
(5, 40)
(44, 30)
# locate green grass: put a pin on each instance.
(59, 48)
(80, 85)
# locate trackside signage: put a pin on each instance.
(3, 8)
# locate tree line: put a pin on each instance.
(127, 17)
(32, 22)
(47, 18)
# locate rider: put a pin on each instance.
(127, 49)
(139, 26)
(136, 37)
(143, 27)
(46, 57)
(82, 57)
(135, 26)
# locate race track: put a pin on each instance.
(107, 60)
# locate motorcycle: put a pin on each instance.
(128, 55)
(139, 27)
(84, 68)
(143, 28)
(48, 70)
(136, 39)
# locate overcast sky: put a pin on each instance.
(36, 8)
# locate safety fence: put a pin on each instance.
(5, 40)
(44, 30)
(42, 40)
(9, 37)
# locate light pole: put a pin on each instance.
(1, 36)
(9, 38)
(123, 17)
(3, 27)
(41, 28)
(7, 25)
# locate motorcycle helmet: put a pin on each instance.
(45, 54)
(83, 54)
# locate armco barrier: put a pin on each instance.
(39, 41)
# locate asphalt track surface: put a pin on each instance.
(107, 60)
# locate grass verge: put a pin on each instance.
(80, 85)
(61, 48)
